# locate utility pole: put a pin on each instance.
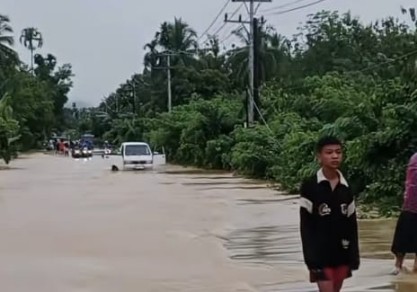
(251, 51)
(169, 54)
(168, 68)
(132, 85)
(117, 103)
(134, 97)
(256, 99)
(169, 82)
(251, 62)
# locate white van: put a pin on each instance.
(136, 155)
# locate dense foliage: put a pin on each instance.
(337, 76)
(31, 98)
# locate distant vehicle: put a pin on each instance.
(107, 148)
(50, 145)
(106, 153)
(136, 155)
(86, 152)
(87, 139)
(76, 152)
(81, 152)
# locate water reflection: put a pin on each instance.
(279, 245)
(269, 245)
(265, 201)
(77, 226)
(233, 188)
(406, 283)
(376, 237)
(254, 241)
(190, 171)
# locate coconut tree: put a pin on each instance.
(177, 38)
(32, 39)
(151, 57)
(6, 40)
(210, 56)
(272, 47)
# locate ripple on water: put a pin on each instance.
(280, 245)
(269, 245)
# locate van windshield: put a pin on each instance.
(134, 150)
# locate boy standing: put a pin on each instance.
(328, 223)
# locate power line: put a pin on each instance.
(409, 54)
(224, 24)
(233, 30)
(283, 5)
(230, 34)
(215, 19)
(247, 7)
(376, 66)
(233, 14)
(296, 8)
(257, 7)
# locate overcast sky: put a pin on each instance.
(104, 39)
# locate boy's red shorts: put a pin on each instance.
(334, 274)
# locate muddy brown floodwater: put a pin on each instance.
(72, 225)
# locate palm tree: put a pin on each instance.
(32, 39)
(151, 57)
(177, 38)
(6, 40)
(272, 47)
(210, 56)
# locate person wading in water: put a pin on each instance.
(405, 236)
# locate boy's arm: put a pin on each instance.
(307, 228)
(353, 226)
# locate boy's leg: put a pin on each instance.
(337, 286)
(415, 264)
(339, 276)
(399, 260)
(326, 286)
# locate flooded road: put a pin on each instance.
(69, 225)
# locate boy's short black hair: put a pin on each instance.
(325, 141)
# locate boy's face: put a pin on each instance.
(330, 156)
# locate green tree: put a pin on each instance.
(7, 54)
(8, 130)
(336, 76)
(32, 39)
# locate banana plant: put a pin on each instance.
(9, 129)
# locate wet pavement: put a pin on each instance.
(69, 225)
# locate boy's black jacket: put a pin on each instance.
(328, 224)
